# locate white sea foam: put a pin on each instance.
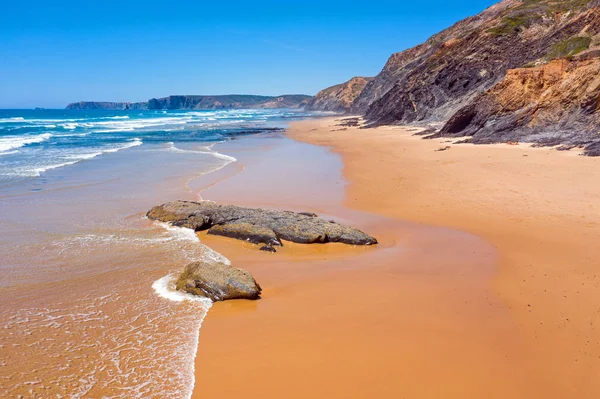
(207, 150)
(8, 143)
(12, 120)
(38, 171)
(165, 288)
(133, 143)
(225, 157)
(180, 233)
(75, 158)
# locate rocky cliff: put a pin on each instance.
(401, 66)
(493, 76)
(235, 101)
(453, 67)
(338, 98)
(552, 104)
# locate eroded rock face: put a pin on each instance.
(555, 103)
(218, 282)
(259, 226)
(431, 82)
(338, 98)
(424, 61)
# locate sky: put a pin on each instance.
(56, 52)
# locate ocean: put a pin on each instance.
(88, 309)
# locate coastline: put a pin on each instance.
(432, 311)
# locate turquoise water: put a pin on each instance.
(33, 142)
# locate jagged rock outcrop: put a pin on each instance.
(228, 102)
(338, 98)
(431, 82)
(218, 282)
(234, 101)
(401, 66)
(442, 80)
(551, 104)
(120, 106)
(259, 226)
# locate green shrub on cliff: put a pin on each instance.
(570, 47)
(511, 24)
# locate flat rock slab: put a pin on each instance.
(259, 226)
(218, 282)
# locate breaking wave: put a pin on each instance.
(8, 143)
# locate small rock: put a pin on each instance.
(218, 282)
(268, 248)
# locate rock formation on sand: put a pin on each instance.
(338, 98)
(446, 75)
(234, 101)
(218, 282)
(259, 226)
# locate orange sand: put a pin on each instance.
(431, 312)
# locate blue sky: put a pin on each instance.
(53, 53)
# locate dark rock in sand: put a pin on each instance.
(257, 225)
(218, 282)
(268, 248)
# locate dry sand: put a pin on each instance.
(501, 300)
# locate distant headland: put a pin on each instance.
(233, 101)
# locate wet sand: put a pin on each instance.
(501, 299)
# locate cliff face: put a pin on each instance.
(430, 82)
(107, 105)
(401, 65)
(338, 98)
(556, 103)
(203, 102)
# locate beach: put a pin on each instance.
(485, 282)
